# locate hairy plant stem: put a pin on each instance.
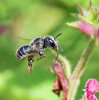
(78, 71)
(66, 66)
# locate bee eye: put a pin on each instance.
(52, 43)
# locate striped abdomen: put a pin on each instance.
(23, 52)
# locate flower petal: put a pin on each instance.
(92, 87)
(92, 97)
(61, 82)
(85, 27)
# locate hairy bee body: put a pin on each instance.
(38, 42)
(37, 46)
(23, 52)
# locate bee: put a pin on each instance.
(37, 46)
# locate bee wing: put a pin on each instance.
(25, 39)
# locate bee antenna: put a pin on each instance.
(57, 35)
(56, 56)
(57, 53)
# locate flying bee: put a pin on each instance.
(37, 46)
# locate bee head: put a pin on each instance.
(51, 42)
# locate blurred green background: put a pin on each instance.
(30, 19)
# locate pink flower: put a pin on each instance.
(92, 97)
(61, 83)
(3, 29)
(98, 32)
(92, 86)
(87, 20)
(86, 28)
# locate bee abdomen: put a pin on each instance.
(23, 52)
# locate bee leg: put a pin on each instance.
(41, 55)
(30, 63)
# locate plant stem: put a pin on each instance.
(83, 60)
(79, 69)
(66, 66)
(73, 86)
